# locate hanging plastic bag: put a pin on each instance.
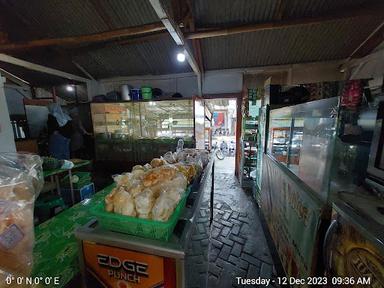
(21, 180)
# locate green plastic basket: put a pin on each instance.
(139, 227)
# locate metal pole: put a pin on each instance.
(57, 181)
(71, 187)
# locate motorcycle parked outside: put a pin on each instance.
(224, 150)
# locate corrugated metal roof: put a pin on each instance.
(219, 12)
(58, 18)
(156, 57)
(309, 43)
(61, 18)
(306, 8)
(231, 12)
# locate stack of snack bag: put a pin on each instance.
(152, 191)
(21, 180)
(149, 193)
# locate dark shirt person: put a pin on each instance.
(59, 132)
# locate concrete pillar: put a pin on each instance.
(7, 140)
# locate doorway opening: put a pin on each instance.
(220, 132)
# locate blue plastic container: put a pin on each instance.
(136, 94)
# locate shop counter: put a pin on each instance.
(112, 259)
(56, 252)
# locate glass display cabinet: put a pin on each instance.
(301, 138)
(166, 119)
(358, 171)
(115, 125)
(139, 131)
(326, 157)
(330, 148)
(357, 183)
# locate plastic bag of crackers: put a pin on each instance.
(21, 180)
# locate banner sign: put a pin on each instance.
(293, 218)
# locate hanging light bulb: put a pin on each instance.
(180, 57)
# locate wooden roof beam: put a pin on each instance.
(370, 43)
(196, 43)
(372, 11)
(90, 38)
(21, 82)
(168, 22)
(279, 13)
(36, 67)
(82, 69)
(178, 37)
(98, 5)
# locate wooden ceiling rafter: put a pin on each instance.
(40, 68)
(184, 16)
(89, 38)
(8, 19)
(370, 43)
(357, 12)
(98, 4)
(279, 13)
(196, 43)
(178, 37)
(3, 33)
(176, 8)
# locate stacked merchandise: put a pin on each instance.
(249, 139)
(152, 196)
(350, 100)
(250, 125)
(323, 90)
(20, 183)
(352, 94)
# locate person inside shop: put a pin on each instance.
(59, 126)
(78, 133)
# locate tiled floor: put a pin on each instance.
(237, 246)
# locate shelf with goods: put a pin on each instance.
(249, 141)
(249, 153)
(138, 131)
